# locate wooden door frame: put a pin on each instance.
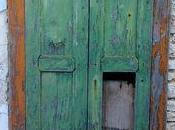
(16, 64)
(16, 21)
(159, 64)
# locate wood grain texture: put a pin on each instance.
(56, 64)
(96, 29)
(17, 60)
(57, 102)
(159, 65)
(144, 46)
(32, 73)
(118, 105)
(117, 31)
(17, 65)
(124, 64)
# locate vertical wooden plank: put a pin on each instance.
(118, 105)
(144, 43)
(159, 65)
(96, 10)
(32, 44)
(56, 101)
(80, 53)
(16, 65)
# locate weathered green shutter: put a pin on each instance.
(69, 45)
(120, 41)
(56, 72)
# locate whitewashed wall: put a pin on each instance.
(3, 67)
(171, 75)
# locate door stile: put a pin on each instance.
(32, 24)
(95, 84)
(143, 75)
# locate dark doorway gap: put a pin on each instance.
(120, 76)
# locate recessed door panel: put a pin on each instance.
(120, 18)
(57, 26)
(56, 101)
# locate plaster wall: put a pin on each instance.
(3, 67)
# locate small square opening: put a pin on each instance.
(118, 101)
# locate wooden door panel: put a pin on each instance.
(118, 105)
(120, 40)
(120, 18)
(56, 27)
(56, 70)
(56, 101)
(58, 64)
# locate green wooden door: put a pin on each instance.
(69, 45)
(56, 71)
(120, 41)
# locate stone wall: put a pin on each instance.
(171, 74)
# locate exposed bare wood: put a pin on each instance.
(159, 65)
(17, 65)
(118, 105)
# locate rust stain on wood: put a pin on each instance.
(161, 47)
(16, 65)
(151, 103)
(162, 110)
(159, 65)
